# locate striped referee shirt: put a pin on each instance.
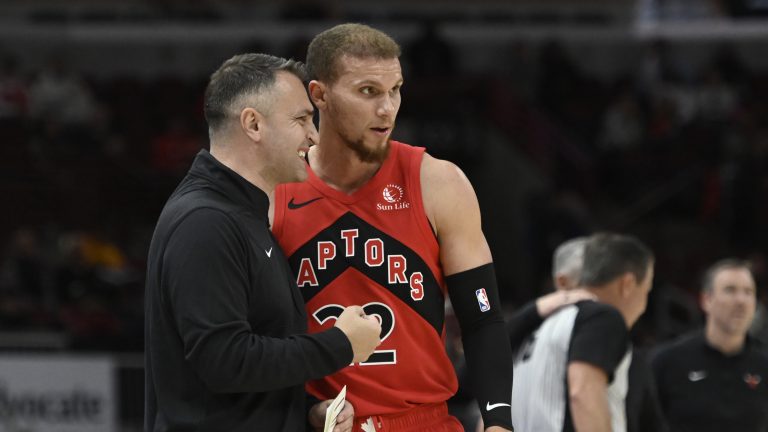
(590, 332)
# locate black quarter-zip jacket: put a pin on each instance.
(703, 390)
(225, 327)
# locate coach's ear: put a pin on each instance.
(252, 122)
(317, 93)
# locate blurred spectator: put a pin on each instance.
(13, 90)
(717, 99)
(623, 127)
(22, 281)
(60, 95)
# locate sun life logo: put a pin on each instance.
(392, 193)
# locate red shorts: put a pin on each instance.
(424, 418)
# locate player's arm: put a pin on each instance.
(588, 397)
(453, 211)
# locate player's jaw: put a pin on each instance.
(367, 152)
(373, 145)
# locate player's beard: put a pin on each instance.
(375, 154)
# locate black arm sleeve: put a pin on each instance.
(475, 300)
(522, 324)
(205, 269)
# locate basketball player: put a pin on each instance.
(382, 224)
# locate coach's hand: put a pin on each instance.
(344, 422)
(363, 332)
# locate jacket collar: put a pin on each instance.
(230, 183)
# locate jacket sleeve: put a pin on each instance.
(522, 323)
(205, 279)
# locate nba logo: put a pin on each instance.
(482, 300)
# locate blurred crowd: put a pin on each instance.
(673, 154)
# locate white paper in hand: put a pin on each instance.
(334, 409)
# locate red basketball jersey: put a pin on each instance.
(374, 248)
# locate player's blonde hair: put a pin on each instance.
(354, 40)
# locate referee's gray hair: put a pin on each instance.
(568, 259)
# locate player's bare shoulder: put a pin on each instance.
(446, 191)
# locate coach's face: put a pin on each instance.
(360, 107)
(730, 306)
(288, 130)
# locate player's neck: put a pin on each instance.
(722, 341)
(340, 167)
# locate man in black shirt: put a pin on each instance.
(716, 380)
(226, 343)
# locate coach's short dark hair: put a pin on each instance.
(609, 255)
(708, 281)
(354, 40)
(243, 75)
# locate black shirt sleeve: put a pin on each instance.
(522, 323)
(600, 337)
(205, 272)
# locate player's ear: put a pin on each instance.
(317, 91)
(252, 123)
